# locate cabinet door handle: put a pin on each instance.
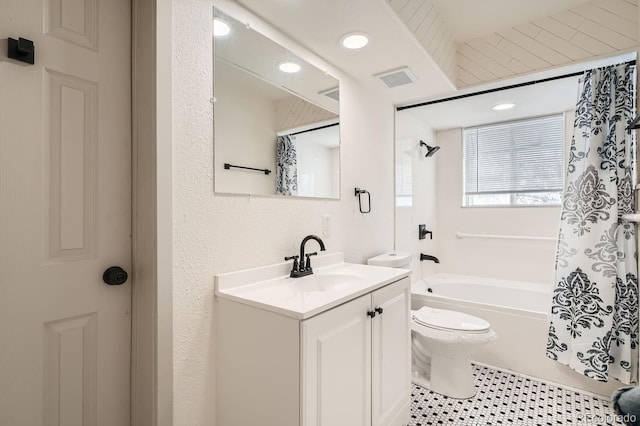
(371, 314)
(379, 310)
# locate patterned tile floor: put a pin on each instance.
(506, 399)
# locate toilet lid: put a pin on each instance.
(443, 319)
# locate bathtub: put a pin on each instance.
(515, 297)
(518, 312)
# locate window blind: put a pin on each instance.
(524, 156)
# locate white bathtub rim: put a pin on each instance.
(444, 278)
(420, 295)
(452, 303)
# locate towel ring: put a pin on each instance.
(358, 193)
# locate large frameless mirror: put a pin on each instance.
(276, 118)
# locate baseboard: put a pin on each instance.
(402, 416)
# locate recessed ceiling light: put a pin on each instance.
(220, 28)
(289, 67)
(355, 40)
(502, 107)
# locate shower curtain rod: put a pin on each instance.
(311, 130)
(498, 89)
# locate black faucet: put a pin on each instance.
(428, 257)
(300, 267)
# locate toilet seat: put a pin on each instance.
(442, 319)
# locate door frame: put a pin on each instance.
(152, 228)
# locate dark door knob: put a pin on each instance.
(115, 275)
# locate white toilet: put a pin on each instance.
(442, 342)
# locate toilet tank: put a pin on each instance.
(392, 260)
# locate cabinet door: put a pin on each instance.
(336, 366)
(391, 355)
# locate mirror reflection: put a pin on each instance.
(275, 117)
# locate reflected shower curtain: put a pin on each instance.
(286, 166)
(594, 313)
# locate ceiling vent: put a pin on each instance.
(397, 77)
(333, 93)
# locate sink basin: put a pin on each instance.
(332, 283)
(325, 282)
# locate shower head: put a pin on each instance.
(430, 149)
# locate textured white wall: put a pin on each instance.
(214, 234)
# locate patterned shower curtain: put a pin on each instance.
(594, 313)
(286, 166)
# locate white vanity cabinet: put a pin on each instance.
(355, 367)
(340, 367)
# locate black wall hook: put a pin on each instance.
(358, 192)
(21, 50)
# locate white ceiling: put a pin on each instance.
(469, 19)
(329, 137)
(232, 76)
(253, 53)
(320, 24)
(534, 100)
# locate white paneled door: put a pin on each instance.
(65, 208)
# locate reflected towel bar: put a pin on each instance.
(460, 235)
(227, 166)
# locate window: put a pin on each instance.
(404, 187)
(517, 163)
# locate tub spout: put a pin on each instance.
(428, 257)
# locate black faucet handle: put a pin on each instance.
(308, 256)
(295, 262)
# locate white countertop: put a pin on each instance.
(333, 282)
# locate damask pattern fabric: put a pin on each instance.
(286, 166)
(594, 313)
